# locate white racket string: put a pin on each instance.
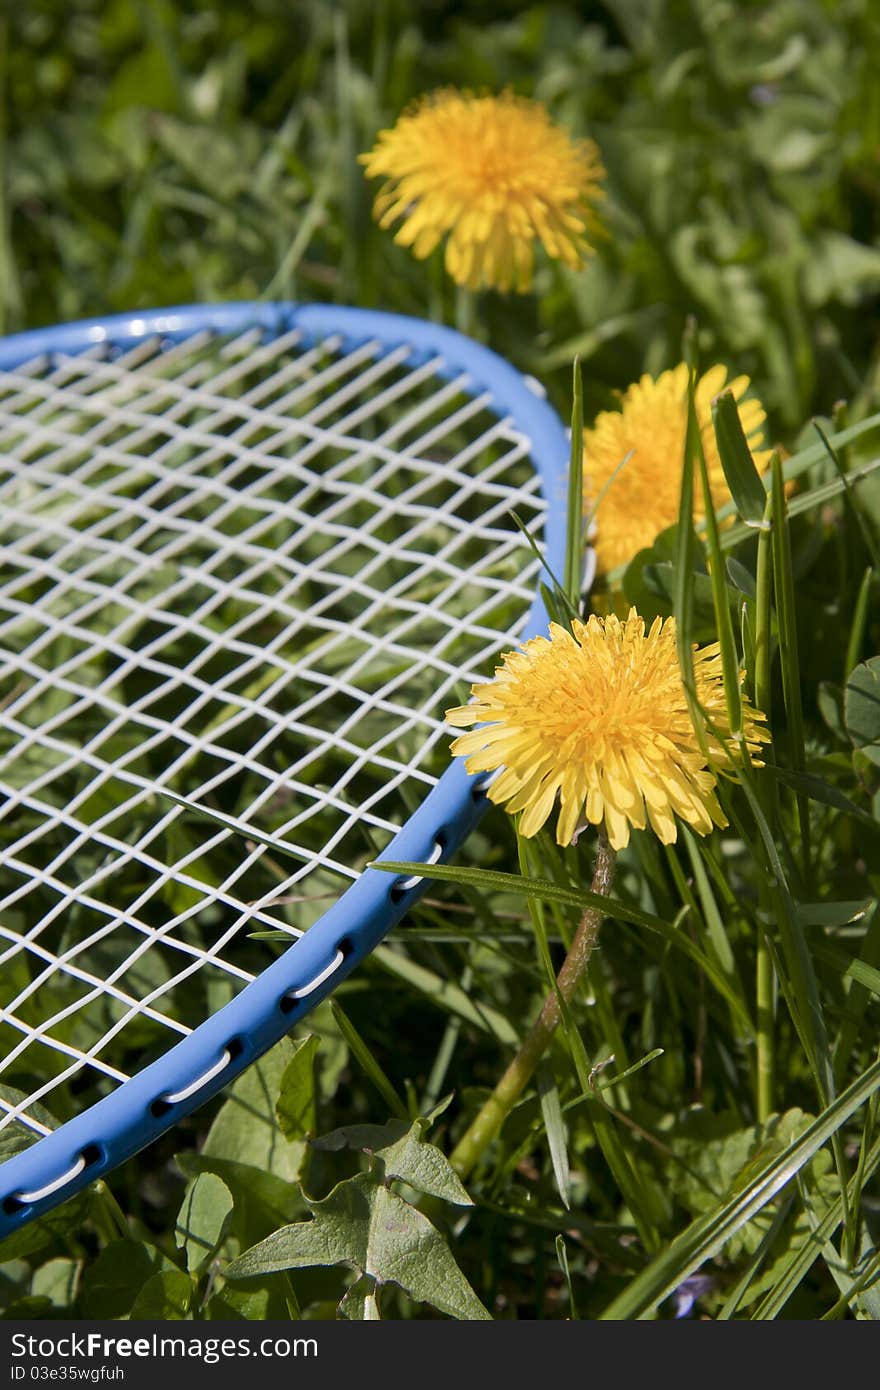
(251, 573)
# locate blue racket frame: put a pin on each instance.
(130, 1118)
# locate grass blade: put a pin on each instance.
(551, 1112)
(850, 497)
(559, 607)
(812, 454)
(803, 502)
(581, 898)
(574, 543)
(685, 559)
(562, 1257)
(858, 625)
(858, 997)
(720, 600)
(805, 1254)
(783, 579)
(446, 995)
(706, 1236)
(368, 1062)
(741, 1288)
(743, 479)
(817, 789)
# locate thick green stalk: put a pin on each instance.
(764, 991)
(765, 1029)
(487, 1123)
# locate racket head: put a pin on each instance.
(194, 1069)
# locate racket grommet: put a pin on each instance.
(88, 1157)
(161, 1104)
(401, 886)
(292, 997)
(480, 786)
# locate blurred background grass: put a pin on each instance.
(159, 153)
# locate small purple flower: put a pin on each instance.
(689, 1290)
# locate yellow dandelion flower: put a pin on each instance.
(494, 175)
(598, 717)
(648, 432)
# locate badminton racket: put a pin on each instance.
(249, 553)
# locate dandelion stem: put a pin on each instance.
(487, 1123)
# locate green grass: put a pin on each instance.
(711, 1100)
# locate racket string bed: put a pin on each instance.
(247, 574)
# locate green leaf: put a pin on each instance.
(202, 1218)
(367, 1137)
(829, 698)
(17, 1137)
(817, 789)
(424, 1167)
(360, 1303)
(167, 1295)
(816, 496)
(659, 580)
(859, 1292)
(112, 1283)
(605, 1085)
(253, 1303)
(246, 1128)
(58, 1281)
(366, 1225)
(263, 1201)
(743, 479)
(718, 1155)
(741, 578)
(30, 1306)
(403, 1153)
(751, 1283)
(295, 1107)
(832, 914)
(862, 708)
(58, 1224)
(802, 1255)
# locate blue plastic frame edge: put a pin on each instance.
(115, 1128)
